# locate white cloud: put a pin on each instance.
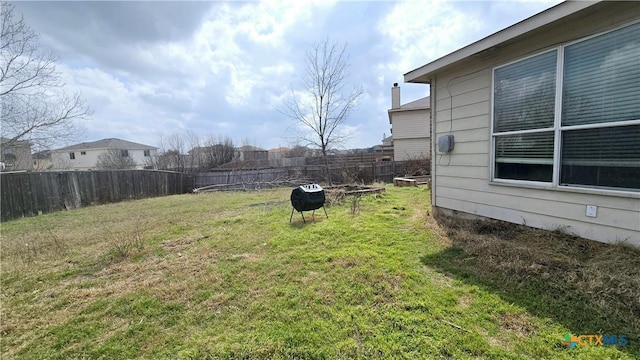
(215, 50)
(421, 31)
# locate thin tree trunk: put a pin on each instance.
(326, 166)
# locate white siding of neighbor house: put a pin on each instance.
(461, 104)
(411, 132)
(62, 161)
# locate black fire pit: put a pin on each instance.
(307, 198)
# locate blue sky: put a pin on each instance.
(150, 70)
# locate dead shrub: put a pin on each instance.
(123, 244)
(335, 196)
(355, 204)
(417, 166)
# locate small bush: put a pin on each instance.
(355, 204)
(122, 245)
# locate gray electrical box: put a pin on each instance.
(445, 143)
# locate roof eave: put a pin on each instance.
(424, 73)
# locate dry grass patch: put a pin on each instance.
(590, 286)
(517, 324)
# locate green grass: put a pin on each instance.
(225, 275)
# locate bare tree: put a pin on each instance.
(34, 104)
(203, 154)
(323, 108)
(297, 151)
(115, 159)
(174, 153)
(193, 162)
(217, 151)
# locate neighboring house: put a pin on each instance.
(84, 156)
(15, 155)
(42, 160)
(384, 151)
(248, 153)
(410, 127)
(278, 153)
(545, 118)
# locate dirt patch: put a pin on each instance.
(465, 301)
(516, 324)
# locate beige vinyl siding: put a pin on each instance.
(410, 124)
(461, 104)
(411, 130)
(605, 233)
(565, 210)
(406, 149)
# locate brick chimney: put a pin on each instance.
(395, 96)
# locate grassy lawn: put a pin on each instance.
(225, 275)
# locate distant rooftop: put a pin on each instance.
(111, 143)
(250, 148)
(422, 103)
(4, 140)
(279, 150)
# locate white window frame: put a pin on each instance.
(558, 129)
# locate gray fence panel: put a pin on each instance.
(32, 193)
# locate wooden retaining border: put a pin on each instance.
(412, 181)
(355, 189)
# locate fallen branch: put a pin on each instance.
(255, 185)
(454, 325)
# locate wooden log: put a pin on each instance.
(404, 182)
(365, 191)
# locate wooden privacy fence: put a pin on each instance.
(225, 177)
(340, 174)
(32, 193)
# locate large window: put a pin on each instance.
(571, 116)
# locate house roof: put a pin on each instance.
(4, 140)
(422, 103)
(279, 150)
(110, 143)
(510, 34)
(250, 148)
(46, 154)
